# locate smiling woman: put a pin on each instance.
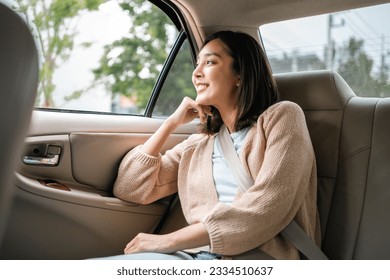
(272, 141)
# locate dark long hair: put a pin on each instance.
(257, 89)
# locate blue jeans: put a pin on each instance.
(159, 256)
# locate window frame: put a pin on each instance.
(182, 37)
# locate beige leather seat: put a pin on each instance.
(351, 137)
(18, 84)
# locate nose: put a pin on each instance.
(197, 71)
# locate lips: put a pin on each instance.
(201, 87)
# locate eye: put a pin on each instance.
(209, 62)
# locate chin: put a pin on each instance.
(201, 100)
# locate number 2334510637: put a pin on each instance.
(223, 270)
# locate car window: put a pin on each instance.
(178, 83)
(354, 43)
(98, 55)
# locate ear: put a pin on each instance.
(238, 80)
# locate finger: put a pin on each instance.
(128, 247)
(133, 249)
(189, 103)
(207, 110)
(196, 110)
(131, 245)
(190, 106)
(203, 112)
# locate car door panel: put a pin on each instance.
(67, 211)
(58, 226)
(96, 156)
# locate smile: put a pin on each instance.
(200, 87)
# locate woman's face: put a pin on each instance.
(214, 79)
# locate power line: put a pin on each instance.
(365, 23)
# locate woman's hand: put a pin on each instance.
(192, 236)
(188, 110)
(150, 243)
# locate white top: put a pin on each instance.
(224, 180)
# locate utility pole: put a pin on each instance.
(383, 69)
(329, 46)
(329, 53)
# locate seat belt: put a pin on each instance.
(293, 232)
(164, 217)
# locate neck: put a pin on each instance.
(229, 119)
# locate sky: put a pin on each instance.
(110, 23)
(310, 35)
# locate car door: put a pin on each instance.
(63, 206)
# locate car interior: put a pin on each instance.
(59, 191)
(16, 99)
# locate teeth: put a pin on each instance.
(201, 87)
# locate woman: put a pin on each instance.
(234, 87)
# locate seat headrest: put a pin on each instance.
(315, 90)
(19, 70)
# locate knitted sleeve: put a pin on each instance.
(144, 179)
(271, 203)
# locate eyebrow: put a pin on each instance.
(210, 54)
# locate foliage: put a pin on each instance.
(131, 65)
(356, 67)
(178, 83)
(55, 24)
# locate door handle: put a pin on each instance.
(43, 154)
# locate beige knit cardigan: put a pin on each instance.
(279, 156)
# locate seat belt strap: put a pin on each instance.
(296, 235)
(293, 232)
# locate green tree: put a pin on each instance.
(355, 66)
(131, 65)
(178, 83)
(55, 24)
